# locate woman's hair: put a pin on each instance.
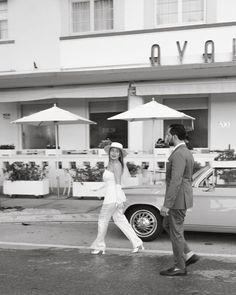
(121, 158)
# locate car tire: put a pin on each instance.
(146, 222)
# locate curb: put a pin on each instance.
(19, 217)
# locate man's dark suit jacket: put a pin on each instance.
(179, 169)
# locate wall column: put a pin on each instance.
(135, 129)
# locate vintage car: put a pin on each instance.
(214, 210)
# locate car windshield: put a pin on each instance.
(199, 172)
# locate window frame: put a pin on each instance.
(180, 16)
(193, 104)
(92, 19)
(212, 177)
(4, 17)
(226, 184)
(207, 181)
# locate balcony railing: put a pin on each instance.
(58, 164)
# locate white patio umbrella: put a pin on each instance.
(151, 111)
(55, 116)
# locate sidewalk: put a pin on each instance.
(48, 209)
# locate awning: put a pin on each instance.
(207, 86)
(95, 91)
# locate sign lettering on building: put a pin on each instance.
(6, 116)
(208, 54)
(234, 49)
(181, 50)
(224, 124)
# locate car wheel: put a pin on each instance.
(146, 222)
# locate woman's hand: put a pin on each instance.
(121, 206)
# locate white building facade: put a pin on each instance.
(98, 58)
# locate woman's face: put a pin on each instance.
(114, 153)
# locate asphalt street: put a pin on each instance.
(54, 257)
(71, 271)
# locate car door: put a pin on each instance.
(214, 202)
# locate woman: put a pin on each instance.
(114, 201)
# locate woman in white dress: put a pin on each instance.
(114, 201)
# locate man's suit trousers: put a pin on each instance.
(174, 226)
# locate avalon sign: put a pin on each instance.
(208, 54)
(224, 124)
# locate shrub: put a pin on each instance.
(227, 155)
(133, 169)
(104, 143)
(88, 173)
(197, 166)
(24, 171)
(7, 147)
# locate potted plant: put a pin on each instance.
(102, 144)
(25, 179)
(226, 155)
(135, 173)
(87, 178)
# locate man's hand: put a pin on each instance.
(164, 211)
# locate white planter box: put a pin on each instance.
(164, 152)
(22, 187)
(85, 189)
(101, 152)
(7, 153)
(53, 152)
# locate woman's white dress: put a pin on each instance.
(110, 208)
(112, 195)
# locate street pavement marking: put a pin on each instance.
(42, 245)
(110, 249)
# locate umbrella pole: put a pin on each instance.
(154, 156)
(57, 162)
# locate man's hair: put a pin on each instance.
(179, 130)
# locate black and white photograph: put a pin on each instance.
(117, 147)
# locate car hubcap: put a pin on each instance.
(144, 223)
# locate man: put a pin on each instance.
(178, 198)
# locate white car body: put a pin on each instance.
(214, 192)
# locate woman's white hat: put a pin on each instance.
(115, 145)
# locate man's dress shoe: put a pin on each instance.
(172, 272)
(193, 259)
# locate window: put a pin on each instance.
(92, 15)
(193, 11)
(196, 108)
(172, 12)
(36, 137)
(222, 177)
(198, 137)
(3, 20)
(225, 177)
(115, 130)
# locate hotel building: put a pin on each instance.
(98, 58)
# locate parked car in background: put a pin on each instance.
(214, 210)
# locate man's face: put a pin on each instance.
(169, 138)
